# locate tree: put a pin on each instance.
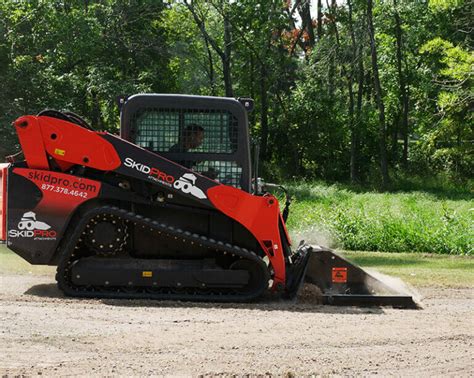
(225, 51)
(331, 88)
(379, 97)
(404, 100)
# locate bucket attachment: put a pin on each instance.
(341, 282)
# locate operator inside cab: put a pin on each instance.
(192, 137)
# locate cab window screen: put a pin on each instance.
(162, 130)
(157, 130)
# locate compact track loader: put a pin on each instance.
(168, 210)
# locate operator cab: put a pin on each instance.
(206, 134)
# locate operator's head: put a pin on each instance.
(193, 136)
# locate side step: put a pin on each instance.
(341, 282)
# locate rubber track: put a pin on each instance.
(68, 247)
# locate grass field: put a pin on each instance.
(419, 269)
(414, 268)
(10, 263)
(415, 221)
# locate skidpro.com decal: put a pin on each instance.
(60, 192)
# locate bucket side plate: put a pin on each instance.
(343, 283)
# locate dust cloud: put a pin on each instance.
(314, 235)
(397, 285)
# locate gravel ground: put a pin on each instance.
(41, 332)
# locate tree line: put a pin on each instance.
(353, 90)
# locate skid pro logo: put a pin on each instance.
(30, 227)
(186, 183)
(153, 173)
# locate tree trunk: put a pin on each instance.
(225, 53)
(226, 61)
(320, 22)
(402, 83)
(379, 99)
(306, 22)
(395, 131)
(356, 138)
(405, 125)
(333, 52)
(263, 114)
(352, 128)
(252, 88)
(353, 124)
(360, 85)
(211, 74)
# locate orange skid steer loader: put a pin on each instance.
(171, 209)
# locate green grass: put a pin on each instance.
(414, 221)
(10, 263)
(419, 269)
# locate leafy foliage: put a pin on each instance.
(311, 74)
(79, 56)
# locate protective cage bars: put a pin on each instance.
(162, 130)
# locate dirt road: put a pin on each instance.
(42, 332)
